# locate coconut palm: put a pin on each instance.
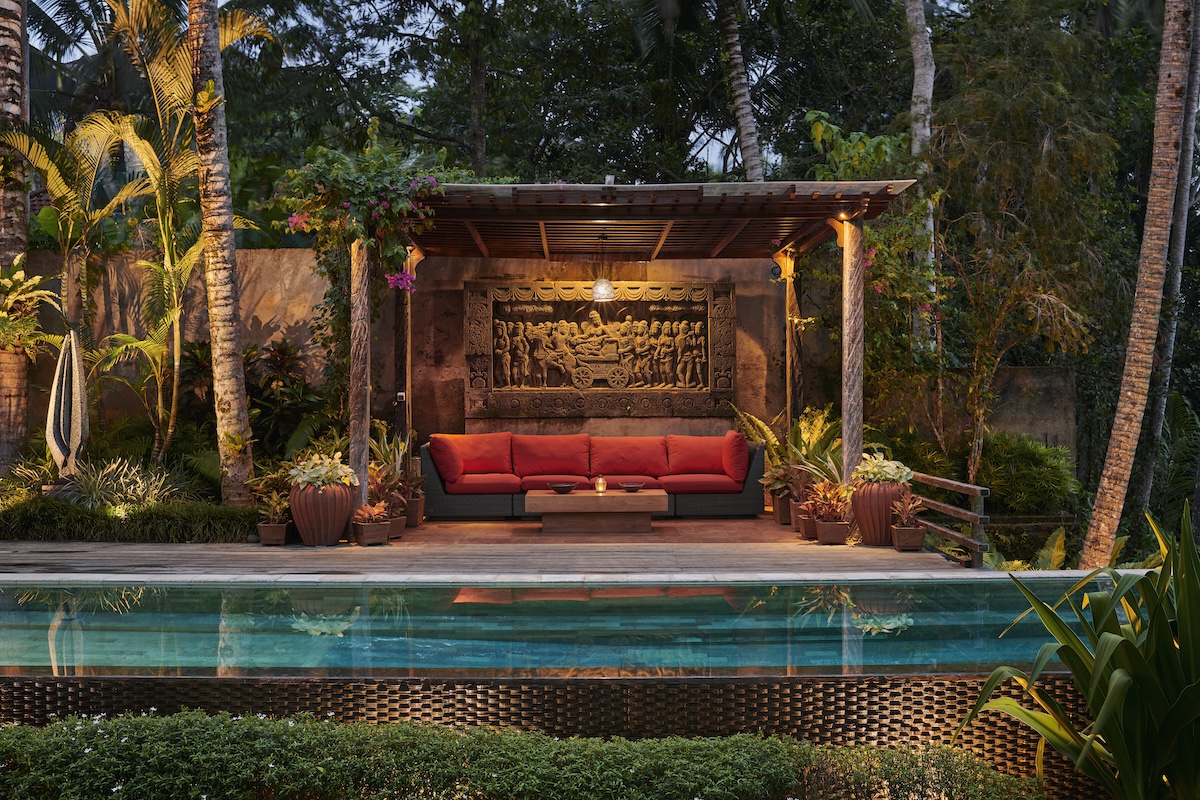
(73, 171)
(220, 256)
(1147, 301)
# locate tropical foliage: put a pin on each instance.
(1134, 653)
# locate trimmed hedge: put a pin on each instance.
(32, 516)
(193, 755)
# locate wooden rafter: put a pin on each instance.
(545, 243)
(483, 248)
(737, 228)
(662, 239)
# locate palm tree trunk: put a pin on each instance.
(1160, 385)
(739, 87)
(360, 364)
(220, 257)
(1147, 301)
(14, 112)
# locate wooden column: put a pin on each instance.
(402, 351)
(850, 237)
(360, 365)
(793, 349)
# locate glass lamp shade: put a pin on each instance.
(602, 290)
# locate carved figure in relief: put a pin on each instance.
(655, 366)
(666, 356)
(594, 336)
(625, 343)
(700, 354)
(520, 359)
(502, 347)
(642, 350)
(538, 353)
(561, 357)
(684, 355)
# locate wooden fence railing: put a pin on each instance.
(974, 544)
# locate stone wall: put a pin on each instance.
(439, 376)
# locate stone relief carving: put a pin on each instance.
(547, 350)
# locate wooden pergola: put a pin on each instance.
(693, 221)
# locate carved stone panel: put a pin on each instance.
(547, 350)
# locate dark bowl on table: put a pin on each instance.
(562, 488)
(632, 487)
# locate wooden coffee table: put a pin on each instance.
(585, 511)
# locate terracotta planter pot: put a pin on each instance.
(781, 512)
(322, 512)
(396, 526)
(797, 515)
(908, 539)
(832, 532)
(416, 511)
(808, 528)
(368, 533)
(872, 504)
(272, 534)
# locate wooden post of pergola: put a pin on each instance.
(849, 227)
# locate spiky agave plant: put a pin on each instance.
(1136, 665)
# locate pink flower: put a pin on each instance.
(346, 205)
(298, 221)
(926, 308)
(402, 281)
(871, 252)
(878, 288)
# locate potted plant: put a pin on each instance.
(414, 492)
(802, 510)
(775, 478)
(21, 298)
(270, 493)
(321, 498)
(402, 475)
(907, 532)
(371, 524)
(877, 483)
(829, 504)
(385, 489)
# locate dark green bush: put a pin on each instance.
(25, 515)
(193, 755)
(1026, 476)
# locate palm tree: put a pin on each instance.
(739, 88)
(220, 253)
(1147, 301)
(73, 170)
(14, 111)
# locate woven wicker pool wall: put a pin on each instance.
(875, 710)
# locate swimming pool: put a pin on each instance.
(620, 630)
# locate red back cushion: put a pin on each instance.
(629, 455)
(445, 457)
(735, 454)
(471, 453)
(550, 455)
(695, 455)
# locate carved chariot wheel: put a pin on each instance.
(582, 378)
(618, 377)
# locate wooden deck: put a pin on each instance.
(482, 553)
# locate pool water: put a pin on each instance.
(925, 627)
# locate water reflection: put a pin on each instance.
(559, 631)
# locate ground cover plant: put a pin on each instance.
(194, 755)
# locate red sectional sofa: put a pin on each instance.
(487, 474)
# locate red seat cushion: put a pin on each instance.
(485, 483)
(700, 484)
(629, 455)
(735, 455)
(544, 481)
(550, 455)
(615, 481)
(695, 455)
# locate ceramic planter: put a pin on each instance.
(797, 515)
(416, 511)
(367, 533)
(271, 534)
(808, 528)
(908, 539)
(780, 509)
(322, 512)
(872, 504)
(396, 526)
(832, 532)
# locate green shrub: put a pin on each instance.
(25, 515)
(193, 755)
(1026, 476)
